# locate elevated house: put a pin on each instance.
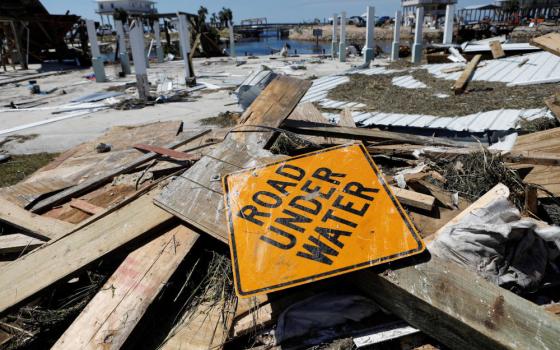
(106, 8)
(433, 9)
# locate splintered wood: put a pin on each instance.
(197, 193)
(54, 262)
(467, 74)
(549, 42)
(112, 314)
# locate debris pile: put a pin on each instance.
(288, 227)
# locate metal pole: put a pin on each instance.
(396, 37)
(123, 54)
(448, 30)
(334, 49)
(418, 37)
(369, 54)
(96, 59)
(139, 58)
(342, 45)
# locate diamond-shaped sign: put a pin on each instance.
(311, 217)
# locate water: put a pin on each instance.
(269, 42)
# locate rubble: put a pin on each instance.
(301, 213)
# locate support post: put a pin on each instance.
(418, 37)
(396, 37)
(334, 49)
(369, 53)
(185, 40)
(342, 45)
(139, 58)
(123, 54)
(159, 47)
(19, 48)
(232, 42)
(96, 59)
(448, 30)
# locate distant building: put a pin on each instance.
(531, 8)
(433, 9)
(132, 7)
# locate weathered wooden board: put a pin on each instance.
(82, 162)
(166, 152)
(100, 180)
(365, 134)
(463, 80)
(86, 206)
(208, 328)
(346, 119)
(497, 50)
(549, 42)
(307, 112)
(414, 199)
(41, 226)
(19, 280)
(17, 243)
(196, 196)
(554, 108)
(116, 309)
(460, 308)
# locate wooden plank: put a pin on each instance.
(549, 42)
(414, 199)
(207, 329)
(90, 184)
(463, 80)
(196, 196)
(307, 112)
(17, 243)
(497, 50)
(533, 157)
(346, 119)
(38, 225)
(166, 152)
(553, 308)
(458, 307)
(365, 134)
(86, 207)
(551, 103)
(53, 262)
(116, 309)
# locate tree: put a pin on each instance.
(225, 16)
(214, 19)
(202, 13)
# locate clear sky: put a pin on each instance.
(274, 10)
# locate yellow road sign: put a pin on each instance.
(311, 217)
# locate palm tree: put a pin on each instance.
(202, 13)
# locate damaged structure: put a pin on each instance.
(30, 32)
(283, 201)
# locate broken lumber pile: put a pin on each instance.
(282, 231)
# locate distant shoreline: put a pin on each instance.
(358, 34)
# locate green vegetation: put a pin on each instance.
(20, 167)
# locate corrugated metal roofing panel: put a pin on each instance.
(408, 82)
(541, 67)
(498, 120)
(506, 47)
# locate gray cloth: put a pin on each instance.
(504, 248)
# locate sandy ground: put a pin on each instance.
(223, 74)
